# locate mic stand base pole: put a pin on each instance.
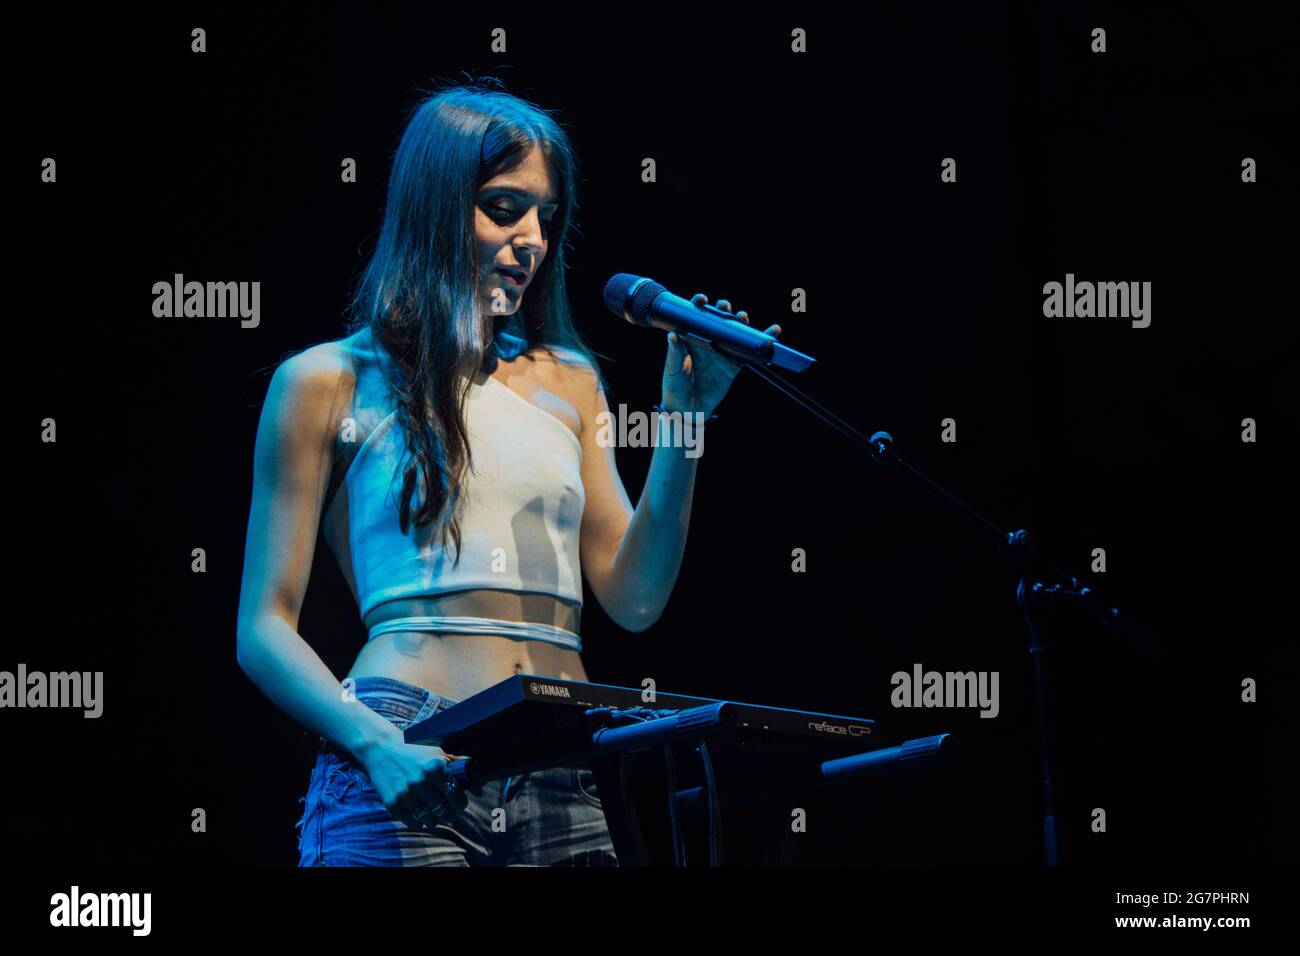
(1037, 651)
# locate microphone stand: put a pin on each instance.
(1032, 599)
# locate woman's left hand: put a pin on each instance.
(696, 377)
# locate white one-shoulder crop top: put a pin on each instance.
(522, 510)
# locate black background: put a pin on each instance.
(776, 171)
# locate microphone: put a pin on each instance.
(643, 301)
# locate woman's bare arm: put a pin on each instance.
(631, 556)
(291, 467)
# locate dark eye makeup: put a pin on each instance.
(509, 214)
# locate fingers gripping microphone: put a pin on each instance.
(643, 301)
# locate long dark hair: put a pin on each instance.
(418, 291)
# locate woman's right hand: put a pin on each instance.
(411, 780)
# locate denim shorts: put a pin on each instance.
(550, 817)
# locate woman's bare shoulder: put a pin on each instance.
(319, 381)
(568, 373)
(351, 353)
(353, 359)
(563, 363)
(326, 364)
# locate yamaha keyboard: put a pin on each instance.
(636, 747)
(530, 714)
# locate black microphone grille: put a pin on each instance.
(630, 296)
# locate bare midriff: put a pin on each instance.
(460, 665)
